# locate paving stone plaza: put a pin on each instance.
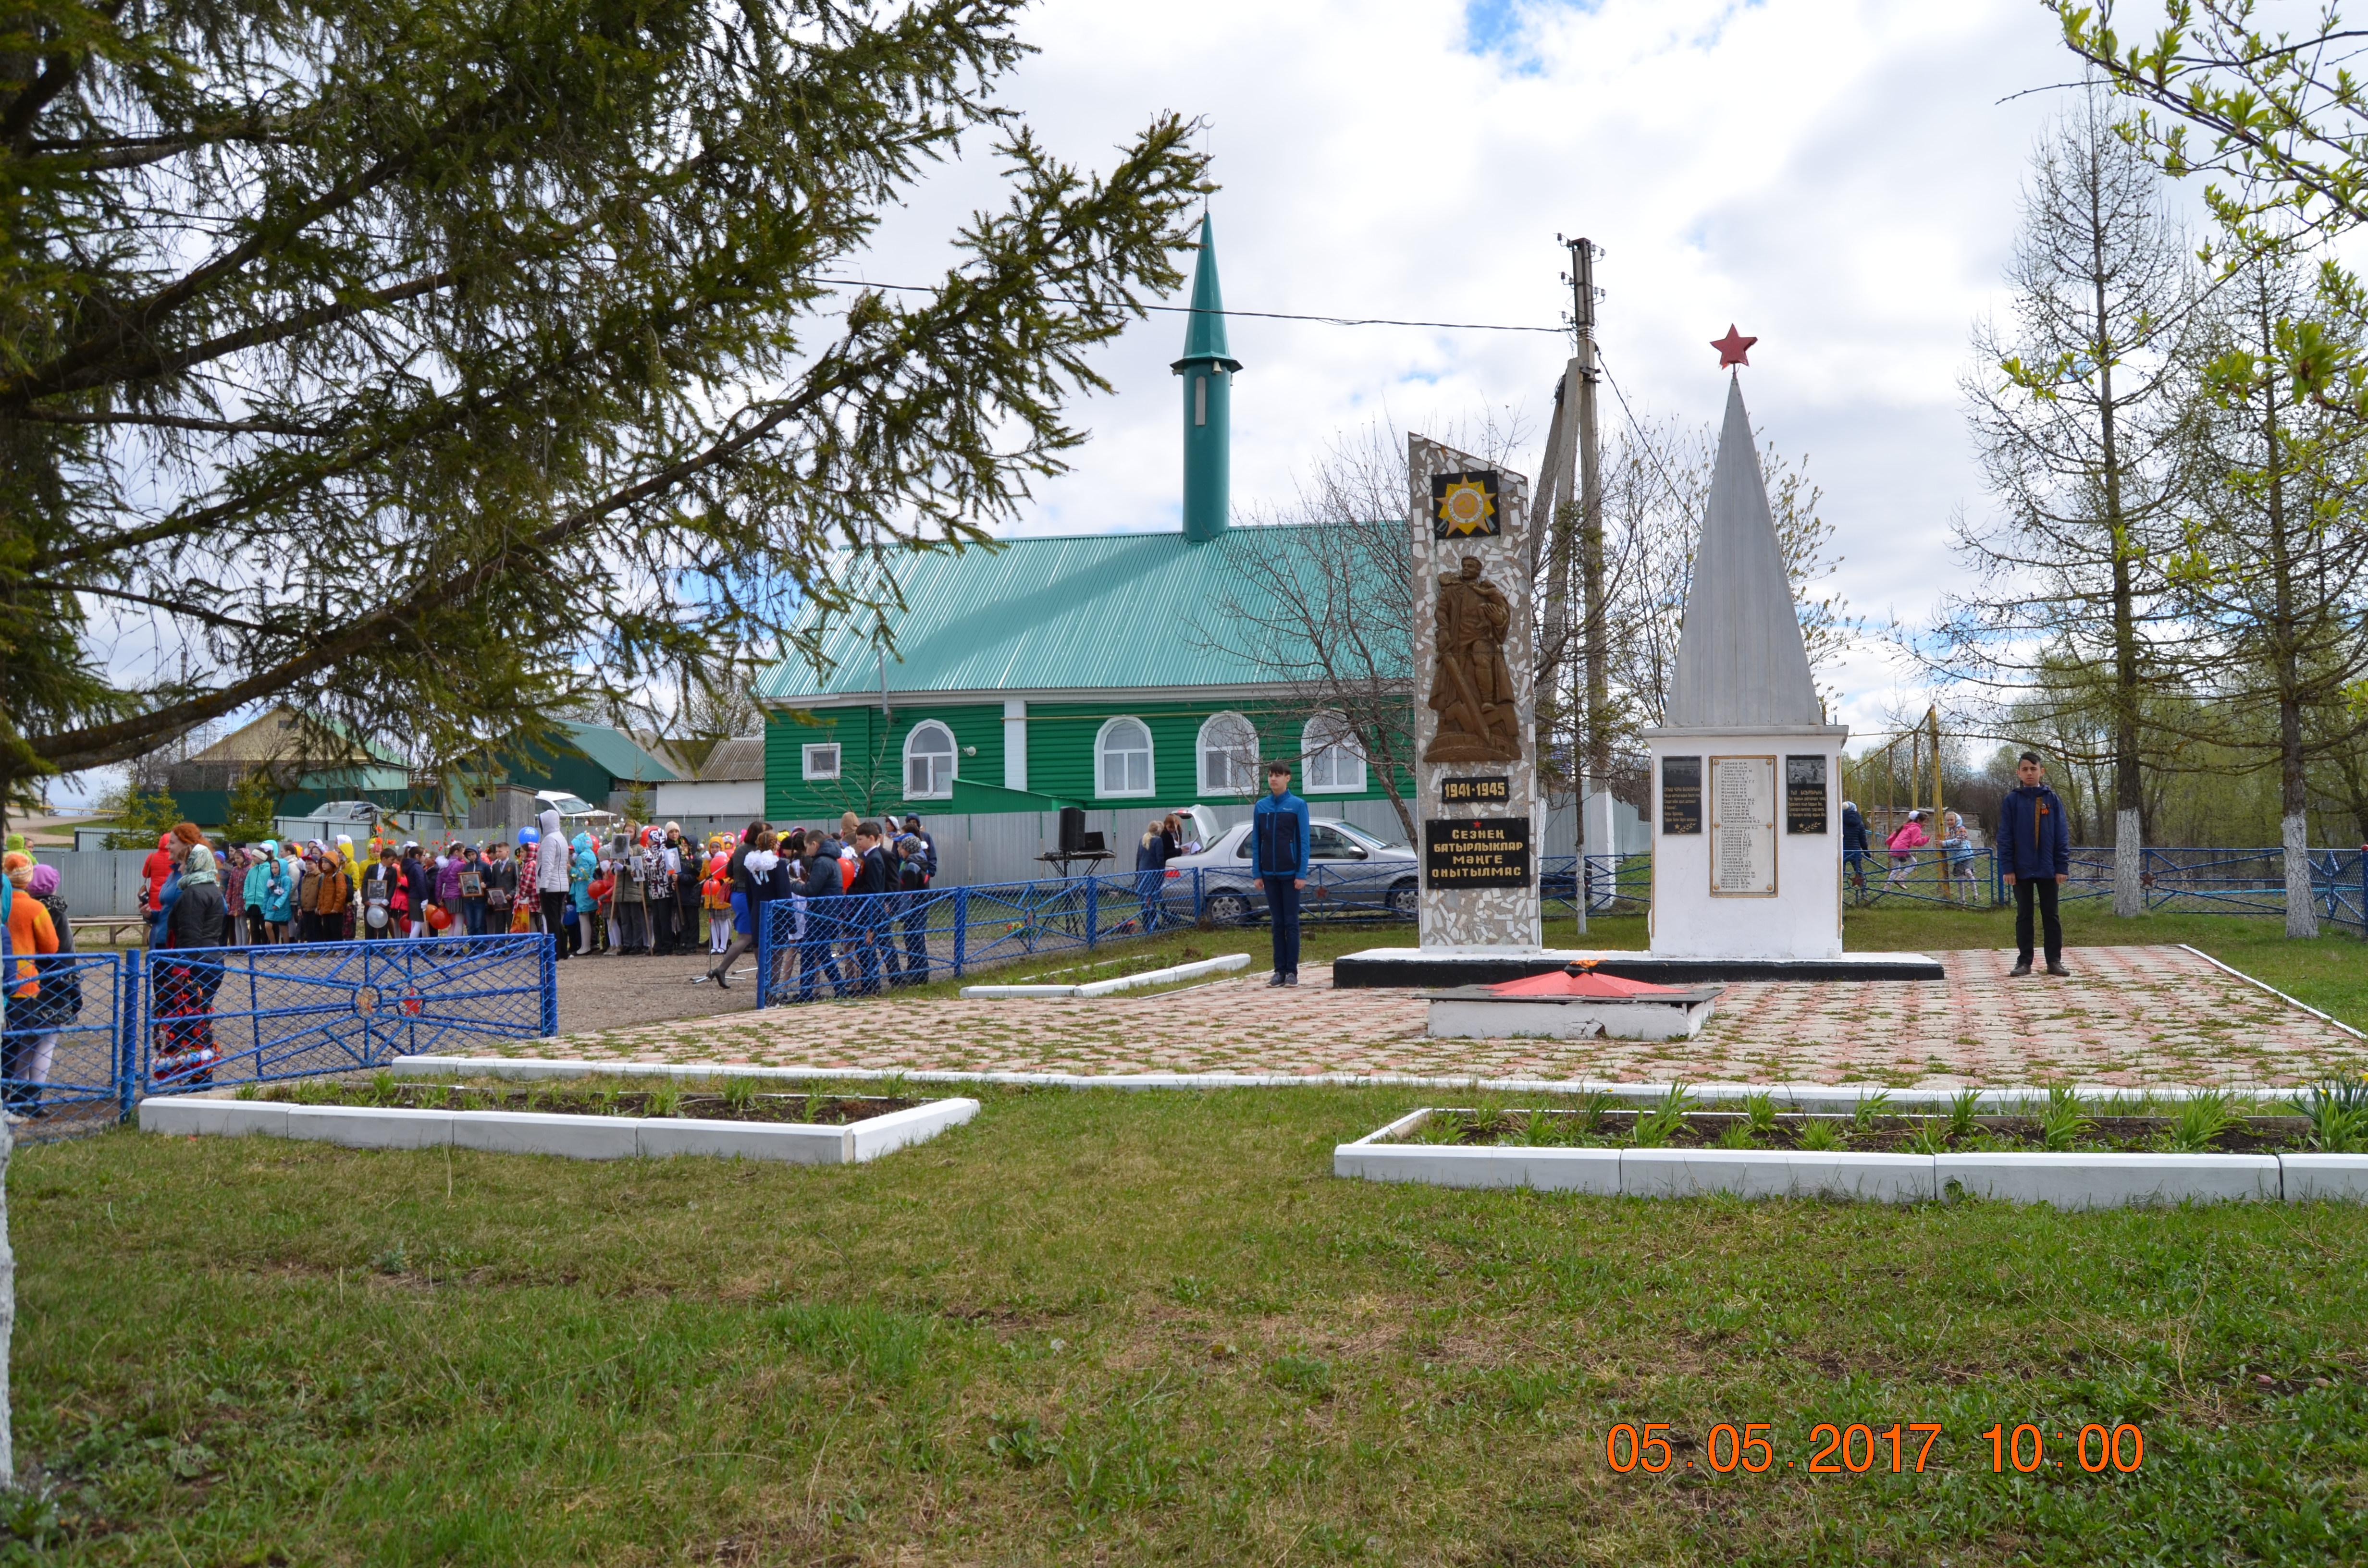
(2129, 1017)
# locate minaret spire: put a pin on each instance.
(1208, 368)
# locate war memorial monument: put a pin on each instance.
(1746, 771)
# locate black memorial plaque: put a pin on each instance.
(1475, 852)
(1681, 801)
(1805, 794)
(1497, 791)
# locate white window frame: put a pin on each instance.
(1330, 731)
(1150, 760)
(952, 756)
(1202, 747)
(811, 759)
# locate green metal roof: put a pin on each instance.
(1091, 612)
(615, 751)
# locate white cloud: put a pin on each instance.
(1837, 179)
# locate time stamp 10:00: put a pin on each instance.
(1856, 1449)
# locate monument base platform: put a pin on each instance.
(1435, 968)
(1475, 1012)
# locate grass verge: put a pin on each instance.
(1102, 1327)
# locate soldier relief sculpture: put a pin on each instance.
(1471, 685)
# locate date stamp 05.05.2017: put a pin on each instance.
(1902, 1448)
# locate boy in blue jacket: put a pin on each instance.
(1279, 859)
(2034, 848)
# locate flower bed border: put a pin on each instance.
(544, 1132)
(2078, 1181)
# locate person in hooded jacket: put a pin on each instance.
(551, 862)
(1854, 847)
(187, 978)
(823, 890)
(57, 1004)
(2035, 851)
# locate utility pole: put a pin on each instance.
(1594, 737)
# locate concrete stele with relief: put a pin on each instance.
(1475, 680)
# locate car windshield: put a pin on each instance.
(1369, 841)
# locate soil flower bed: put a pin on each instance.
(2328, 1119)
(737, 1100)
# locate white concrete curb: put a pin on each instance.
(2336, 1178)
(2069, 1181)
(543, 1132)
(1122, 983)
(1831, 1098)
(2112, 1181)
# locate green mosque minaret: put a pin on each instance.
(1208, 369)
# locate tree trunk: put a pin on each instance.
(8, 1314)
(2129, 832)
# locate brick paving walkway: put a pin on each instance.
(2129, 1016)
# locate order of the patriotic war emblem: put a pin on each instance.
(1463, 505)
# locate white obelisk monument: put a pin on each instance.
(1746, 771)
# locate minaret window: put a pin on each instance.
(1199, 400)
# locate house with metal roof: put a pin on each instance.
(1096, 670)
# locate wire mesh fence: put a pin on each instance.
(63, 1056)
(217, 1016)
(2229, 882)
(1964, 876)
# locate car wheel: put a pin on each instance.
(1226, 909)
(1405, 899)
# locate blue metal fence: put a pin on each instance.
(64, 1056)
(2229, 882)
(103, 1030)
(220, 1016)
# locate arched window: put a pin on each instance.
(1228, 749)
(1335, 763)
(929, 762)
(1122, 757)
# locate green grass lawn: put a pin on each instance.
(1103, 1327)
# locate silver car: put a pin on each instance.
(1351, 870)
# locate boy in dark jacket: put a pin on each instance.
(872, 880)
(821, 889)
(2034, 850)
(1278, 832)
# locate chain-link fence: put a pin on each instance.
(64, 1056)
(249, 1015)
(2229, 882)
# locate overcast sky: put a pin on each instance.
(1838, 179)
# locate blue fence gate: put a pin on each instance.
(103, 1030)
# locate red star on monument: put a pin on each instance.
(1734, 348)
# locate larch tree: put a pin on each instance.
(2276, 565)
(438, 368)
(2079, 404)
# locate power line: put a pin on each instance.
(1261, 315)
(1642, 439)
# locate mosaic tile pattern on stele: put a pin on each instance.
(2128, 1015)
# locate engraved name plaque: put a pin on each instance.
(1743, 826)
